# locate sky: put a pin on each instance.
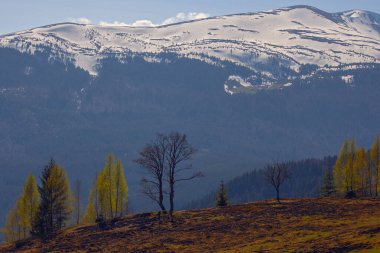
(17, 15)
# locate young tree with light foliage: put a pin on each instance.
(121, 190)
(360, 168)
(28, 206)
(105, 184)
(20, 218)
(92, 210)
(12, 230)
(375, 159)
(340, 168)
(108, 196)
(345, 175)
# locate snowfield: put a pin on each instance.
(294, 36)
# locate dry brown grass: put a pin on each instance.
(303, 225)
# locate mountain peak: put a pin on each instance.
(294, 38)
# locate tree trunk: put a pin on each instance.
(171, 199)
(278, 195)
(161, 197)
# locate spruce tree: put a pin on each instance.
(222, 200)
(55, 204)
(328, 187)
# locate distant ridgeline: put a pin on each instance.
(305, 182)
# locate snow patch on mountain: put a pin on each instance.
(289, 37)
(348, 79)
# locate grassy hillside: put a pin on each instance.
(302, 225)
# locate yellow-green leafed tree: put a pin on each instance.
(92, 209)
(28, 205)
(108, 196)
(340, 168)
(121, 190)
(351, 175)
(106, 187)
(360, 168)
(375, 159)
(90, 215)
(21, 216)
(12, 230)
(345, 177)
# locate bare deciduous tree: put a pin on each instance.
(178, 152)
(163, 159)
(152, 158)
(276, 175)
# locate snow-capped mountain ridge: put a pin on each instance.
(291, 37)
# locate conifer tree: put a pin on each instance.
(56, 201)
(222, 199)
(328, 187)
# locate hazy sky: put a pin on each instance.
(17, 15)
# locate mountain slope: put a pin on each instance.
(312, 225)
(251, 186)
(50, 106)
(291, 37)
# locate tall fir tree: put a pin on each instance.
(56, 201)
(222, 199)
(328, 187)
